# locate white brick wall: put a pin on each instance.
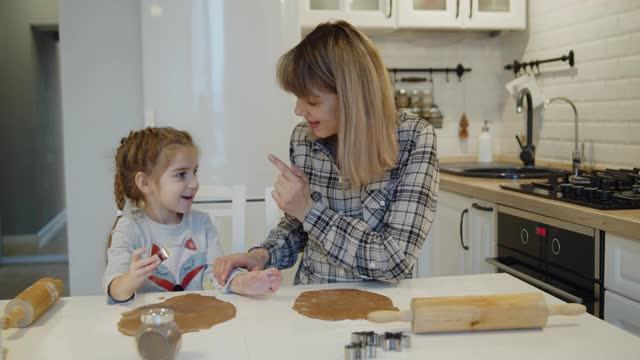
(605, 83)
(479, 92)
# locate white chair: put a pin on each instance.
(223, 201)
(273, 214)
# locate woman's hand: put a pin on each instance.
(291, 191)
(253, 260)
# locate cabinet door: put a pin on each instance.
(622, 266)
(426, 14)
(495, 15)
(364, 14)
(482, 236)
(449, 256)
(622, 312)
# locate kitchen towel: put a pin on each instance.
(529, 82)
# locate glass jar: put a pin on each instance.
(158, 336)
(402, 99)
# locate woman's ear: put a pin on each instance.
(143, 182)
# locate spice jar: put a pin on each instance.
(158, 337)
(402, 99)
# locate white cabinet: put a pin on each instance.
(622, 312)
(441, 14)
(622, 266)
(462, 14)
(461, 237)
(364, 14)
(496, 15)
(622, 282)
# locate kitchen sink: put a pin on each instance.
(496, 170)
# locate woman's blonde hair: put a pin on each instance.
(336, 57)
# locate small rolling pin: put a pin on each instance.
(474, 313)
(31, 303)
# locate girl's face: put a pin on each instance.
(321, 112)
(175, 189)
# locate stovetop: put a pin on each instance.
(611, 189)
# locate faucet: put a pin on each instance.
(527, 155)
(576, 155)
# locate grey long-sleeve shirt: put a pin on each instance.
(193, 244)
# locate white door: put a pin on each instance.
(363, 14)
(495, 15)
(426, 14)
(451, 251)
(482, 236)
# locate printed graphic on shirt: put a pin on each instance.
(184, 264)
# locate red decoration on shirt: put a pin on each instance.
(154, 249)
(190, 244)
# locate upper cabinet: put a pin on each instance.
(462, 14)
(496, 15)
(426, 14)
(364, 14)
(418, 14)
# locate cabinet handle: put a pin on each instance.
(457, 8)
(461, 232)
(390, 9)
(483, 208)
(470, 8)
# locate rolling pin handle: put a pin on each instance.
(385, 316)
(566, 309)
(12, 318)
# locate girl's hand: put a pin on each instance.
(254, 260)
(123, 287)
(291, 191)
(257, 282)
(141, 269)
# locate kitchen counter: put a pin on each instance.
(621, 222)
(267, 328)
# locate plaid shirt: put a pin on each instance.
(372, 232)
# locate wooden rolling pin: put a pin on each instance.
(31, 303)
(473, 313)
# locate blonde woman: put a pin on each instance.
(361, 192)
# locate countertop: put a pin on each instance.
(621, 222)
(267, 328)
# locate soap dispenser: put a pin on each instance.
(485, 153)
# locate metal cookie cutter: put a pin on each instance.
(353, 351)
(395, 341)
(163, 254)
(366, 337)
(359, 351)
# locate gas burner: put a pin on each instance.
(604, 189)
(579, 180)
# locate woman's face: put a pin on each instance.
(321, 112)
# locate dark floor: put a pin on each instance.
(15, 278)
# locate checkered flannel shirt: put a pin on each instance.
(372, 232)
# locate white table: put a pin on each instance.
(267, 328)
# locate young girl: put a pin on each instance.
(155, 184)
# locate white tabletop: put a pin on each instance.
(267, 328)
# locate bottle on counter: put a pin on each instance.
(485, 151)
(158, 336)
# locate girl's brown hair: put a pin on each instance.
(148, 151)
(336, 57)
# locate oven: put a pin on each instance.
(558, 257)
